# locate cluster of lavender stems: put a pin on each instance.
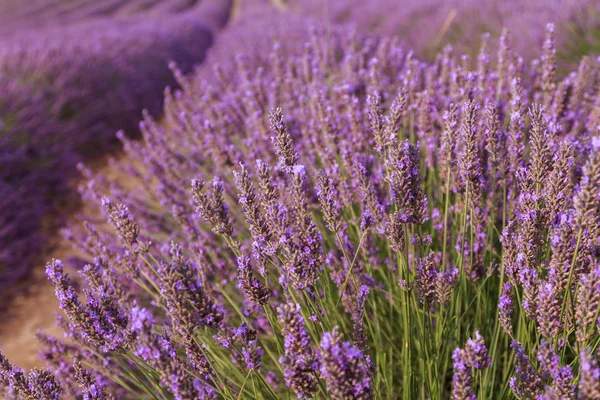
(334, 218)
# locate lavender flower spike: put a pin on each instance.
(299, 360)
(589, 381)
(288, 157)
(38, 384)
(472, 356)
(344, 368)
(92, 389)
(255, 290)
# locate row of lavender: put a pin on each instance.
(65, 91)
(400, 229)
(427, 25)
(42, 14)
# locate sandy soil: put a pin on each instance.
(33, 306)
(32, 309)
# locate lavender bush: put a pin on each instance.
(426, 25)
(335, 219)
(66, 90)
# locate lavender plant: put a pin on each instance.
(336, 219)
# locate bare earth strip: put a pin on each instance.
(34, 306)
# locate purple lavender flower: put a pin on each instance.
(211, 206)
(252, 355)
(589, 381)
(505, 309)
(122, 221)
(448, 146)
(476, 352)
(377, 123)
(472, 356)
(527, 383)
(444, 284)
(548, 310)
(395, 231)
(405, 183)
(562, 386)
(462, 379)
(529, 280)
(585, 200)
(162, 356)
(540, 149)
(38, 384)
(588, 301)
(252, 211)
(306, 245)
(101, 322)
(255, 291)
(299, 360)
(548, 63)
(190, 306)
(427, 276)
(359, 335)
(344, 369)
(329, 203)
(288, 157)
(91, 388)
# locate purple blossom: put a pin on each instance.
(255, 291)
(505, 308)
(472, 356)
(589, 382)
(528, 382)
(299, 359)
(344, 368)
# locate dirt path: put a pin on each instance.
(34, 306)
(30, 311)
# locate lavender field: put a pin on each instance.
(70, 77)
(318, 199)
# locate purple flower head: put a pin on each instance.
(359, 334)
(299, 359)
(405, 183)
(255, 291)
(548, 311)
(92, 388)
(252, 355)
(288, 157)
(588, 301)
(476, 352)
(122, 221)
(38, 384)
(505, 306)
(589, 381)
(528, 381)
(472, 356)
(141, 319)
(102, 322)
(188, 303)
(344, 368)
(462, 379)
(211, 206)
